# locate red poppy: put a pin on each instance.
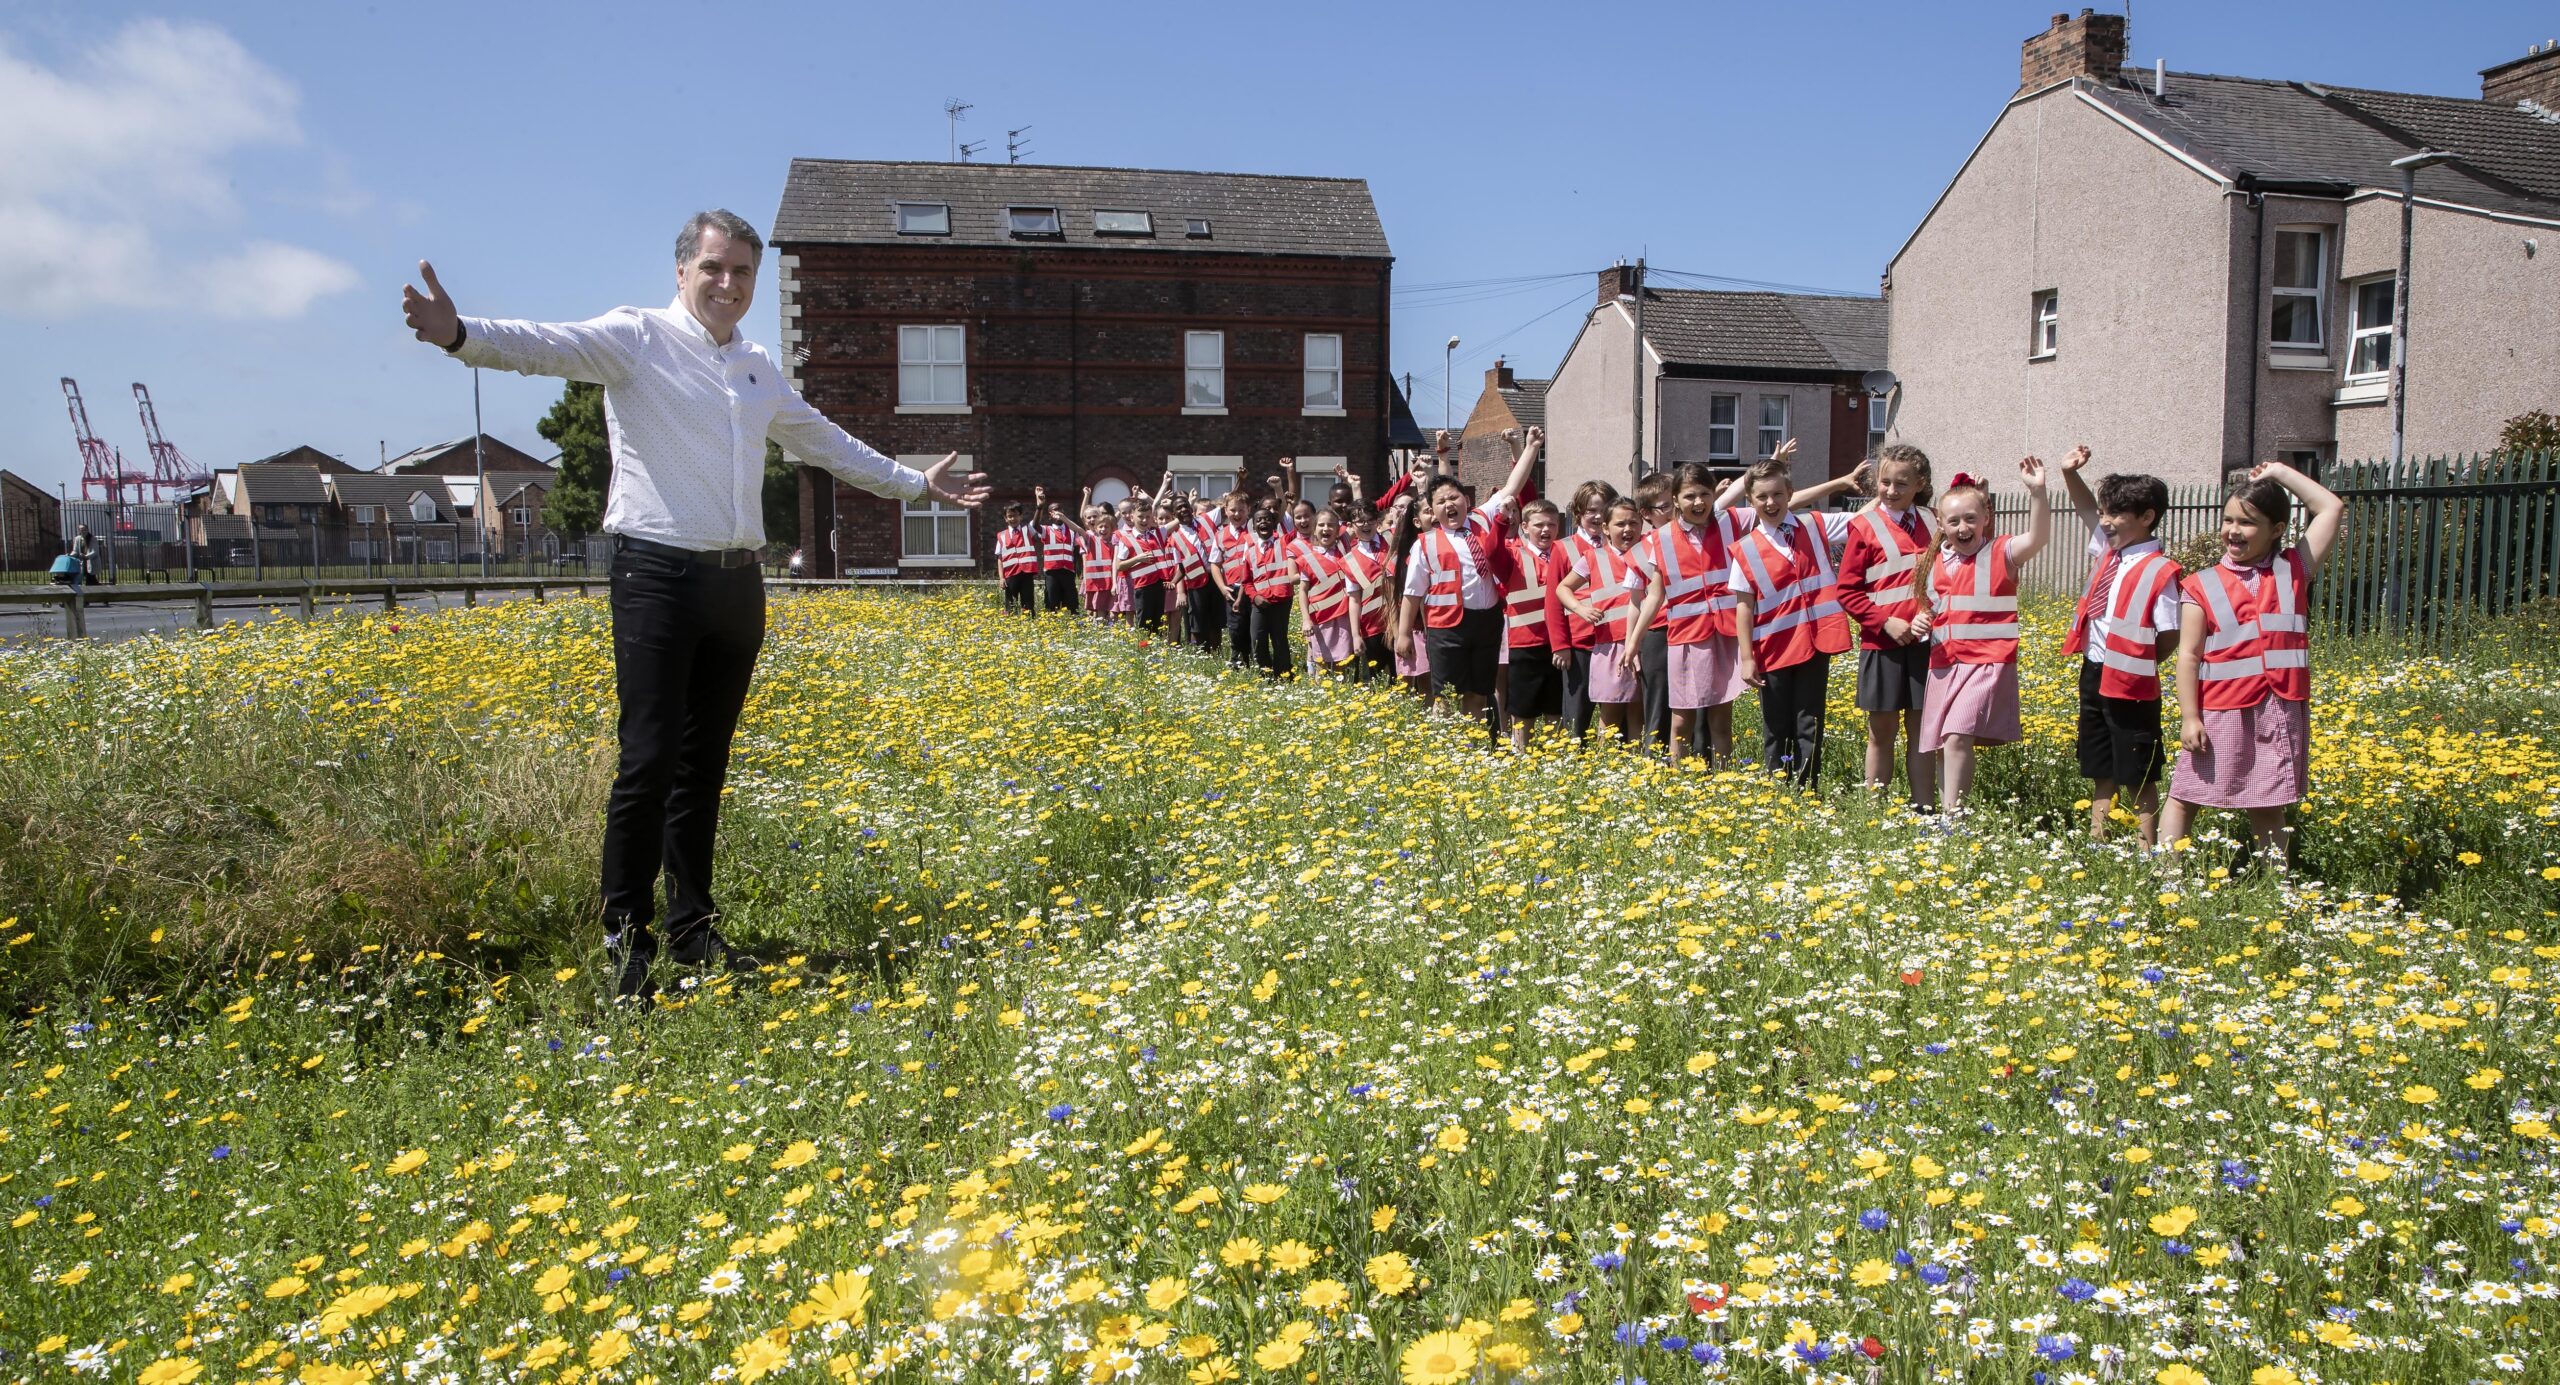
(1709, 1301)
(1911, 976)
(1873, 1348)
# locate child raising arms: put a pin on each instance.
(1970, 582)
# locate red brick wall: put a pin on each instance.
(2092, 45)
(1076, 363)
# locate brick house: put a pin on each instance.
(1507, 403)
(395, 517)
(512, 520)
(454, 458)
(1726, 376)
(1069, 327)
(2198, 271)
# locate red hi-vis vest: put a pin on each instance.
(1328, 583)
(1017, 551)
(1615, 580)
(1875, 572)
(1235, 556)
(1269, 572)
(2255, 646)
(1697, 602)
(1579, 550)
(1366, 567)
(1795, 597)
(1448, 561)
(1524, 605)
(1977, 604)
(1190, 558)
(2127, 651)
(1097, 550)
(1058, 548)
(1150, 562)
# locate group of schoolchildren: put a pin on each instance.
(1651, 614)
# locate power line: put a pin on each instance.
(1759, 285)
(1478, 352)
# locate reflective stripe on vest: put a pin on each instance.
(2263, 651)
(1097, 560)
(1525, 606)
(1447, 564)
(2127, 653)
(1977, 622)
(1780, 637)
(1017, 552)
(1900, 552)
(1612, 594)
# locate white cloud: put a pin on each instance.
(125, 145)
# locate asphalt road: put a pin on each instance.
(20, 625)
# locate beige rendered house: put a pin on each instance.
(2191, 272)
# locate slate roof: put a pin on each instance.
(309, 455)
(282, 483)
(1527, 401)
(454, 457)
(1766, 331)
(849, 201)
(394, 492)
(2506, 159)
(507, 488)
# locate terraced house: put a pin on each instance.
(2199, 271)
(1071, 327)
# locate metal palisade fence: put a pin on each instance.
(2434, 548)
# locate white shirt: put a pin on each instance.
(1475, 589)
(2164, 607)
(688, 419)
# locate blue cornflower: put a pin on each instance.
(2053, 1348)
(1875, 1219)
(1933, 1275)
(221, 1152)
(1630, 1334)
(2176, 1248)
(1902, 1256)
(2511, 1226)
(1812, 1353)
(1933, 1050)
(1608, 1261)
(1061, 1111)
(1675, 1343)
(2076, 1289)
(45, 1201)
(1706, 1354)
(1363, 1088)
(617, 1275)
(2152, 975)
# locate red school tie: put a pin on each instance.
(2092, 602)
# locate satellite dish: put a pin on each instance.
(1888, 384)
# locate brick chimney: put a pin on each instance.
(1500, 377)
(1617, 279)
(2534, 77)
(2092, 45)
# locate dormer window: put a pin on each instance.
(422, 508)
(1196, 228)
(1123, 224)
(924, 218)
(1029, 223)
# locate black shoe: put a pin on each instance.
(631, 951)
(701, 946)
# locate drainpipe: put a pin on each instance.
(2257, 286)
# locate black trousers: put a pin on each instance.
(1240, 630)
(1150, 601)
(685, 640)
(1061, 590)
(1577, 693)
(1017, 593)
(1208, 615)
(1271, 635)
(1653, 664)
(1375, 661)
(1791, 704)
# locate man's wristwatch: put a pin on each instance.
(460, 333)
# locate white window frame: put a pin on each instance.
(360, 514)
(941, 514)
(1316, 480)
(1195, 375)
(422, 500)
(1765, 435)
(1731, 404)
(945, 376)
(1875, 424)
(2359, 331)
(921, 218)
(1308, 391)
(2044, 325)
(1144, 223)
(521, 516)
(2315, 294)
(1206, 478)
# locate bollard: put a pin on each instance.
(310, 607)
(75, 615)
(204, 606)
(537, 592)
(391, 596)
(470, 597)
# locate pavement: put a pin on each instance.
(23, 625)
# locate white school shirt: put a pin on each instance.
(688, 419)
(1475, 589)
(2164, 607)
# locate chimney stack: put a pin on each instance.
(2092, 46)
(1616, 281)
(1500, 376)
(2534, 77)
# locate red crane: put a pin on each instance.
(171, 470)
(101, 466)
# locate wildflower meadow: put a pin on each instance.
(1118, 1017)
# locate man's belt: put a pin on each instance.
(705, 557)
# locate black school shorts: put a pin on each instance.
(2119, 736)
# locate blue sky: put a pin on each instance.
(222, 200)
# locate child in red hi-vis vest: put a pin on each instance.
(1533, 679)
(2244, 661)
(1270, 588)
(1365, 562)
(1591, 502)
(1787, 618)
(1969, 581)
(1885, 546)
(1692, 553)
(1452, 590)
(1018, 559)
(1100, 549)
(1140, 559)
(1316, 555)
(1060, 554)
(2125, 624)
(1616, 595)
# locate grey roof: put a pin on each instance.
(445, 457)
(282, 483)
(306, 453)
(394, 491)
(1527, 401)
(851, 201)
(1765, 331)
(2506, 159)
(508, 487)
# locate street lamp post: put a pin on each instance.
(480, 466)
(1448, 363)
(2408, 166)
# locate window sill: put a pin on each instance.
(1195, 411)
(2362, 392)
(933, 408)
(2280, 359)
(1317, 412)
(936, 562)
(2035, 356)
